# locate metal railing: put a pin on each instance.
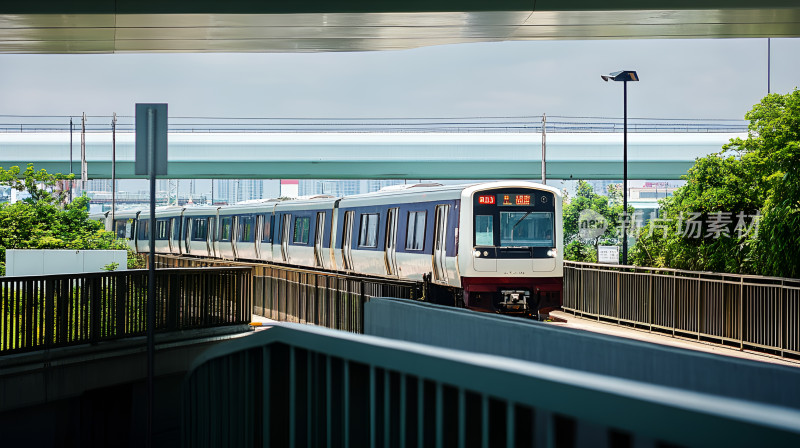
(308, 386)
(48, 311)
(325, 298)
(745, 311)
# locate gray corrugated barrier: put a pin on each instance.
(576, 349)
(305, 386)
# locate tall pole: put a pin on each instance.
(113, 166)
(151, 273)
(769, 52)
(544, 149)
(84, 174)
(625, 173)
(70, 158)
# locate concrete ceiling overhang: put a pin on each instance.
(119, 26)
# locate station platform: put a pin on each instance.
(582, 323)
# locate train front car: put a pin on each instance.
(510, 248)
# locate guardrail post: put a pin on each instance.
(120, 292)
(782, 316)
(619, 292)
(49, 313)
(674, 303)
(173, 299)
(95, 304)
(741, 313)
(360, 312)
(650, 313)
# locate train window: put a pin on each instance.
(265, 237)
(301, 228)
(199, 229)
(484, 230)
(368, 235)
(162, 229)
(225, 228)
(526, 229)
(246, 229)
(120, 229)
(415, 231)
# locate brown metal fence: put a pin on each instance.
(750, 312)
(290, 294)
(51, 311)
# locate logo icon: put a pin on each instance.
(591, 224)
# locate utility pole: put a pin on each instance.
(544, 149)
(769, 44)
(84, 174)
(70, 158)
(113, 166)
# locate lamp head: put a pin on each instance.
(623, 75)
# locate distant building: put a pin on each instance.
(232, 191)
(310, 187)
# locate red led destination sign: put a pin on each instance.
(505, 199)
(514, 199)
(486, 199)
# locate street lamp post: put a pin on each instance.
(624, 76)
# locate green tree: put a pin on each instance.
(756, 175)
(44, 221)
(591, 219)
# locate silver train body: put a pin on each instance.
(494, 247)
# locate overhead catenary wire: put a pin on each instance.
(468, 124)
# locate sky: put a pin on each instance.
(719, 78)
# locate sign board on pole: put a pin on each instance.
(151, 123)
(608, 254)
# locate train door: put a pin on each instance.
(188, 224)
(285, 233)
(440, 238)
(318, 239)
(259, 234)
(175, 236)
(390, 254)
(211, 236)
(347, 240)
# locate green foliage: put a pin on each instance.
(44, 221)
(758, 174)
(600, 215)
(578, 251)
(111, 267)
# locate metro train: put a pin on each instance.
(493, 247)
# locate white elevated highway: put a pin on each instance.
(468, 155)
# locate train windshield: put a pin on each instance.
(526, 228)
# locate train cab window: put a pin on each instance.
(415, 231)
(246, 229)
(484, 230)
(267, 236)
(301, 229)
(368, 235)
(162, 229)
(530, 229)
(199, 229)
(225, 228)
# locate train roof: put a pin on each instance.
(424, 192)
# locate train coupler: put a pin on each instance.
(515, 302)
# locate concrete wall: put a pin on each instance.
(576, 349)
(56, 261)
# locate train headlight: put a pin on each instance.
(477, 253)
(552, 252)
